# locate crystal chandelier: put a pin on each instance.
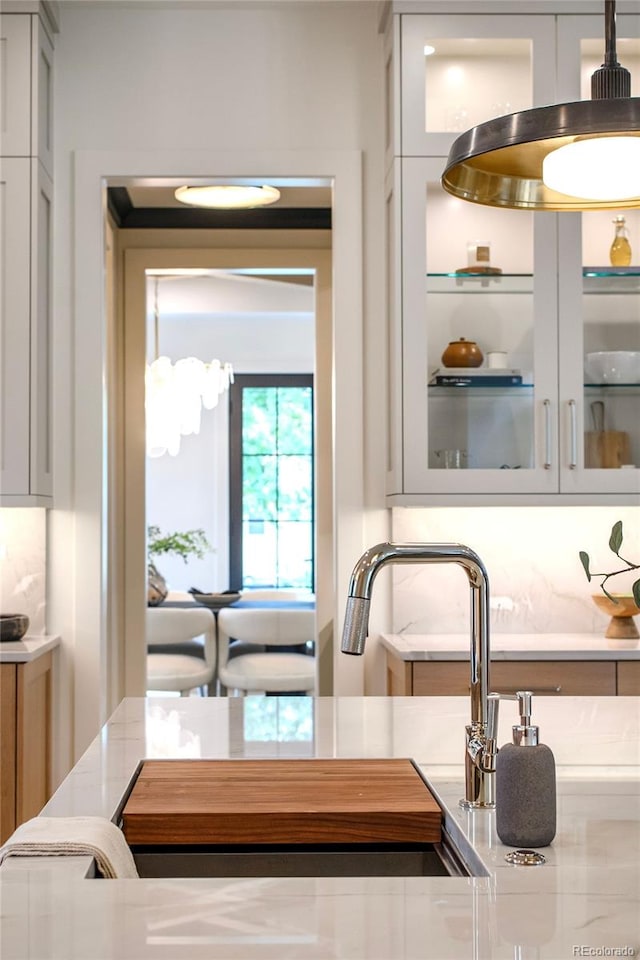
(175, 394)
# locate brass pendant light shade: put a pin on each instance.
(500, 163)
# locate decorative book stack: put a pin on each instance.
(476, 377)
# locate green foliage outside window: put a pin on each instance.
(277, 485)
(277, 462)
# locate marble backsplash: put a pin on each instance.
(23, 565)
(537, 584)
(536, 580)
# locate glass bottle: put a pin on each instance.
(620, 251)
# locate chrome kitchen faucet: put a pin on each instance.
(480, 756)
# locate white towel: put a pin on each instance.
(74, 837)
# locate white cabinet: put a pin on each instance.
(519, 431)
(26, 72)
(25, 255)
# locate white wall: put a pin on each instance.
(200, 79)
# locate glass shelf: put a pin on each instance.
(595, 280)
(526, 389)
(620, 389)
(523, 390)
(479, 282)
(611, 280)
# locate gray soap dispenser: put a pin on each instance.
(525, 785)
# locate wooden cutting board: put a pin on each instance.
(606, 448)
(280, 801)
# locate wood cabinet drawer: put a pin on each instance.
(544, 677)
(629, 678)
(25, 741)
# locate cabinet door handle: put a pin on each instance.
(541, 691)
(547, 434)
(573, 462)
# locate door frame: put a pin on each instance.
(100, 677)
(130, 544)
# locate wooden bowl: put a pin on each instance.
(621, 625)
(13, 626)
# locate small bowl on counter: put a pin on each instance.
(215, 601)
(613, 366)
(13, 626)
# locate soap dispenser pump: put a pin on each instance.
(525, 784)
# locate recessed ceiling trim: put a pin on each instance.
(128, 217)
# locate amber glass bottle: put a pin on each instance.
(620, 251)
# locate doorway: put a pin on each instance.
(138, 264)
(108, 625)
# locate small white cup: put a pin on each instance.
(497, 359)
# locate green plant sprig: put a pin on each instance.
(186, 544)
(615, 544)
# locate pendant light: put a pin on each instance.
(176, 393)
(569, 156)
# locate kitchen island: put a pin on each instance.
(582, 902)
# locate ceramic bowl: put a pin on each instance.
(13, 626)
(215, 601)
(613, 366)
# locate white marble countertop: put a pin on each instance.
(27, 649)
(513, 646)
(585, 898)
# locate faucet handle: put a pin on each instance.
(493, 706)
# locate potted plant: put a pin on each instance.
(185, 544)
(622, 607)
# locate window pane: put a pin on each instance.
(259, 412)
(295, 420)
(259, 488)
(295, 553)
(295, 486)
(259, 553)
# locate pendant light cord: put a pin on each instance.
(611, 80)
(610, 56)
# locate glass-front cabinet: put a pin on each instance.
(515, 369)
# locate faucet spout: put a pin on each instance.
(479, 780)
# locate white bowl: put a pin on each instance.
(614, 366)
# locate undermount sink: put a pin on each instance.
(286, 818)
(294, 860)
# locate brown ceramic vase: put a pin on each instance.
(462, 353)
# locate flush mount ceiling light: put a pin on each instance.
(228, 196)
(570, 156)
